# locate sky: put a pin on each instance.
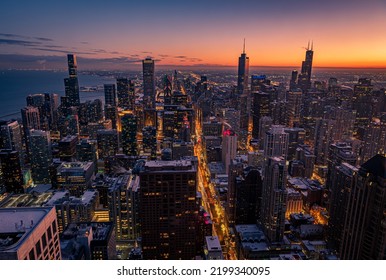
(119, 34)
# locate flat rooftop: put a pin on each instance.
(212, 243)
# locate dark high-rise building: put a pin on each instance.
(40, 156)
(294, 80)
(260, 108)
(364, 232)
(167, 90)
(243, 73)
(168, 209)
(125, 93)
(362, 103)
(274, 198)
(274, 193)
(71, 83)
(148, 83)
(110, 95)
(111, 113)
(67, 148)
(10, 137)
(149, 142)
(244, 195)
(294, 101)
(90, 112)
(304, 79)
(108, 144)
(10, 171)
(129, 135)
(75, 177)
(86, 150)
(343, 178)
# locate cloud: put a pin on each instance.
(43, 39)
(180, 56)
(9, 35)
(19, 42)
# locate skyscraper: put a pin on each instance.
(243, 72)
(40, 155)
(108, 143)
(129, 134)
(229, 148)
(294, 101)
(148, 83)
(10, 171)
(260, 108)
(364, 232)
(274, 198)
(304, 79)
(274, 193)
(71, 83)
(125, 93)
(168, 210)
(110, 95)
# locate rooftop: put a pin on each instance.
(212, 243)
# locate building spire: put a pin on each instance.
(308, 47)
(244, 46)
(312, 45)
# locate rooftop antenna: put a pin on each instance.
(308, 48)
(312, 45)
(244, 46)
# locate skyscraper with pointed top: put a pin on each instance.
(243, 72)
(304, 79)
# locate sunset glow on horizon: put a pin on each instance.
(345, 34)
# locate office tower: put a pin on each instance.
(40, 156)
(304, 78)
(108, 144)
(168, 210)
(274, 193)
(110, 95)
(29, 234)
(51, 105)
(71, 83)
(149, 141)
(344, 123)
(92, 241)
(129, 142)
(111, 113)
(123, 94)
(10, 171)
(274, 198)
(168, 124)
(245, 193)
(295, 138)
(148, 83)
(30, 118)
(362, 103)
(364, 234)
(294, 80)
(305, 155)
(276, 142)
(343, 178)
(70, 209)
(69, 125)
(229, 148)
(11, 137)
(260, 108)
(265, 124)
(123, 201)
(324, 136)
(374, 140)
(86, 150)
(90, 112)
(338, 153)
(243, 73)
(67, 148)
(75, 177)
(294, 101)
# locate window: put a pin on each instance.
(38, 248)
(32, 254)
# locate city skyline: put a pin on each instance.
(193, 34)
